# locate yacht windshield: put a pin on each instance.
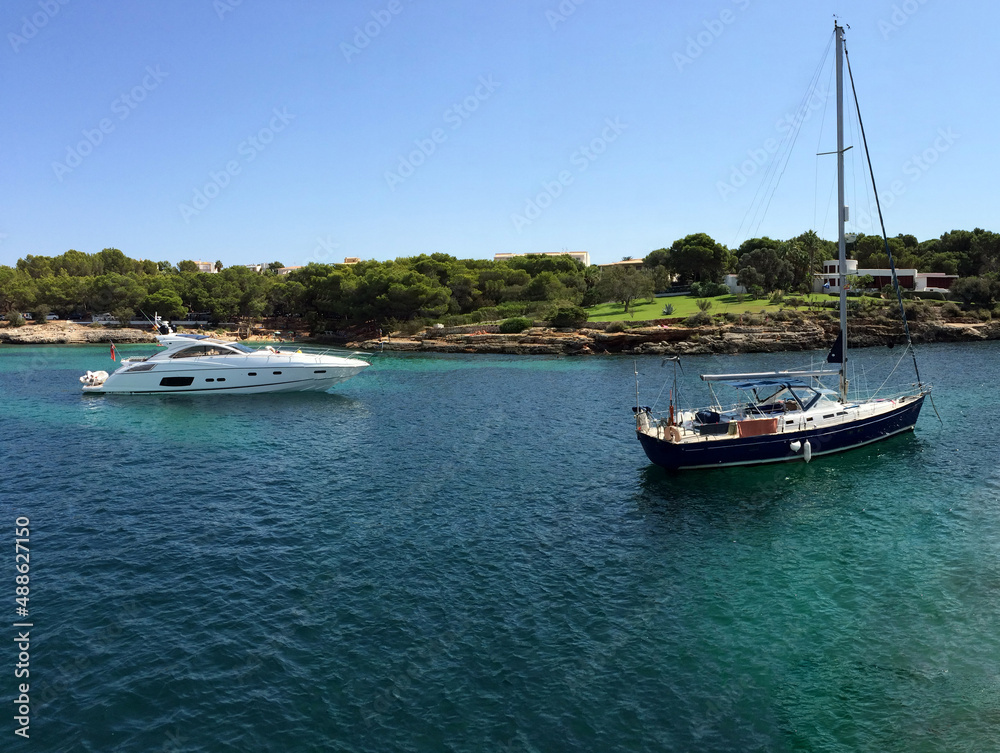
(197, 351)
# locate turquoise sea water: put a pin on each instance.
(472, 553)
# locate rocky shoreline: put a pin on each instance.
(69, 333)
(643, 338)
(807, 334)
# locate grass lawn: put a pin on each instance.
(685, 306)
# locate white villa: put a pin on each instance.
(829, 279)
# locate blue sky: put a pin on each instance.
(299, 131)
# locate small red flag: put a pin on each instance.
(113, 351)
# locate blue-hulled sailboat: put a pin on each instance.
(785, 416)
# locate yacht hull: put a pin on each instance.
(228, 381)
(199, 364)
(777, 448)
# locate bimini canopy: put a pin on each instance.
(769, 379)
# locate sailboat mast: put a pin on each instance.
(841, 209)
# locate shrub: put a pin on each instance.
(698, 320)
(514, 325)
(729, 316)
(511, 308)
(951, 309)
(15, 319)
(777, 296)
(124, 315)
(915, 311)
(668, 309)
(795, 302)
(708, 289)
(40, 313)
(568, 316)
(615, 327)
(411, 327)
(982, 290)
(488, 314)
(703, 304)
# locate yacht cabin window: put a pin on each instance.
(196, 351)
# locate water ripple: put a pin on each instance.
(456, 553)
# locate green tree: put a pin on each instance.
(751, 279)
(123, 315)
(544, 286)
(662, 279)
(35, 266)
(869, 250)
(166, 303)
(976, 252)
(981, 290)
(62, 292)
(860, 282)
(535, 263)
(76, 264)
(113, 261)
(985, 251)
(287, 297)
(658, 258)
(771, 270)
(625, 285)
(463, 292)
(698, 258)
(187, 266)
(113, 290)
(330, 292)
(943, 263)
(817, 250)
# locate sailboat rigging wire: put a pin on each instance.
(885, 239)
(791, 145)
(769, 183)
(864, 181)
(819, 146)
(893, 371)
(852, 126)
(659, 395)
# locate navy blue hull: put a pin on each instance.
(775, 448)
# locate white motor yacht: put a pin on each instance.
(198, 364)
